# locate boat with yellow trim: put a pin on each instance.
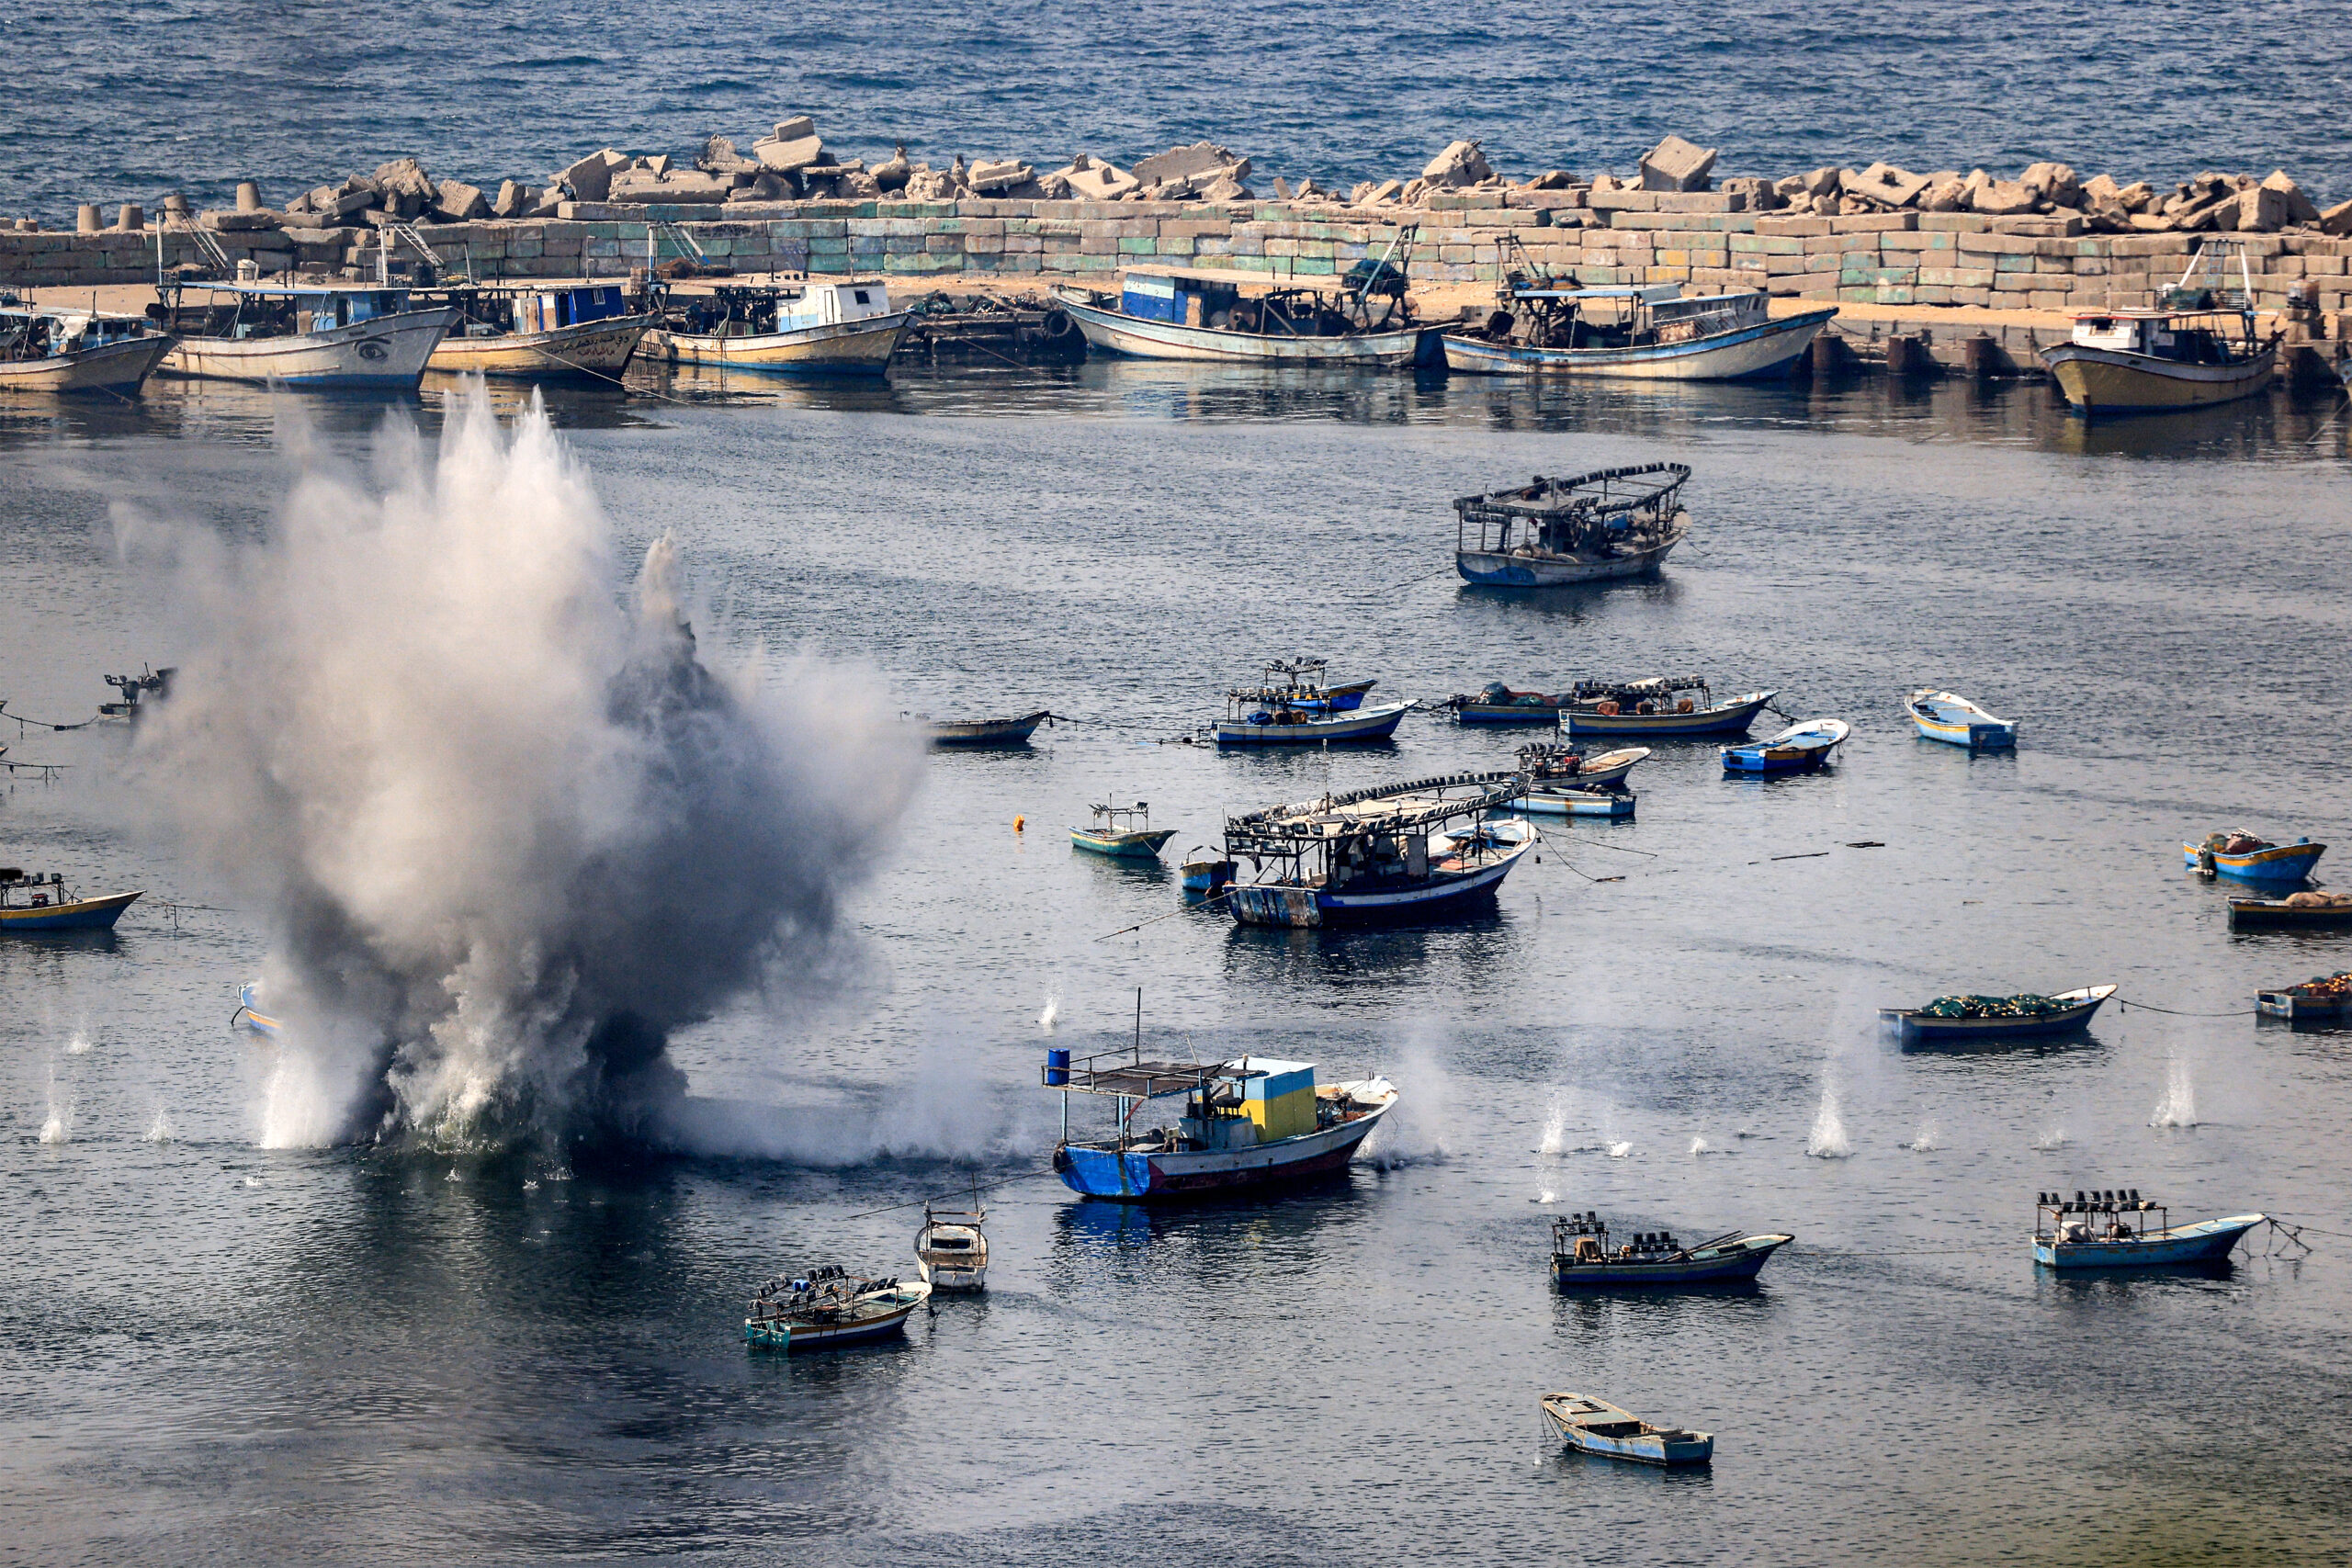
(828, 326)
(1954, 720)
(38, 901)
(2200, 347)
(544, 331)
(2238, 854)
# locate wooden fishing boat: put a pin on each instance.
(1563, 801)
(37, 902)
(303, 334)
(1802, 747)
(985, 731)
(1497, 703)
(1583, 1258)
(2311, 910)
(1595, 1426)
(2198, 348)
(1250, 1123)
(824, 327)
(1957, 1018)
(1668, 706)
(1555, 533)
(1549, 766)
(2122, 1230)
(1123, 832)
(1956, 721)
(1357, 319)
(2326, 999)
(1378, 855)
(1294, 707)
(46, 349)
(543, 331)
(951, 1252)
(2248, 859)
(250, 1015)
(829, 1307)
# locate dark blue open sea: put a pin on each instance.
(116, 101)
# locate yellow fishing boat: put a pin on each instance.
(542, 332)
(2200, 348)
(830, 327)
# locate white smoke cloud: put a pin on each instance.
(508, 830)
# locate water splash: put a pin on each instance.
(160, 1129)
(1926, 1139)
(1556, 1130)
(58, 1127)
(79, 1044)
(507, 832)
(1699, 1146)
(1045, 1020)
(2050, 1137)
(1620, 1149)
(1418, 1130)
(2177, 1108)
(1827, 1139)
(1546, 1196)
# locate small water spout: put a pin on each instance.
(1827, 1139)
(2177, 1108)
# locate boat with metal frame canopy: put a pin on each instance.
(824, 326)
(546, 331)
(313, 334)
(1583, 1258)
(50, 348)
(827, 1307)
(1665, 705)
(1296, 706)
(2120, 1229)
(1379, 855)
(1558, 533)
(37, 901)
(1122, 833)
(950, 1249)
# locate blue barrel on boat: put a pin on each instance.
(1057, 1068)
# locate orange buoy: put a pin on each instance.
(1019, 823)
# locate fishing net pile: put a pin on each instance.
(2328, 985)
(2314, 898)
(2022, 1006)
(2236, 841)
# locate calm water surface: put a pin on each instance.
(217, 1353)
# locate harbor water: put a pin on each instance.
(218, 1351)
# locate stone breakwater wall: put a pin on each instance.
(1911, 259)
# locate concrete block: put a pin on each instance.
(1887, 185)
(591, 179)
(1873, 222)
(1675, 165)
(1622, 201)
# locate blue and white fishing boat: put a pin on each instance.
(1663, 707)
(1241, 1125)
(829, 1307)
(1546, 327)
(1356, 319)
(1956, 721)
(1555, 533)
(249, 1013)
(1380, 855)
(41, 902)
(1615, 805)
(1583, 1257)
(2120, 1229)
(2241, 855)
(1595, 1426)
(1801, 747)
(1294, 707)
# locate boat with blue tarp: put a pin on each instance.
(1663, 707)
(544, 331)
(1294, 706)
(1954, 720)
(2241, 855)
(1386, 854)
(1802, 747)
(1556, 533)
(2118, 1229)
(1583, 1257)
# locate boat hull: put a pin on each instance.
(260, 1023)
(2207, 1241)
(390, 351)
(1490, 568)
(774, 1335)
(1137, 338)
(1361, 724)
(2108, 380)
(1577, 803)
(1732, 718)
(1726, 1268)
(1122, 846)
(987, 731)
(2298, 1009)
(1137, 1178)
(1955, 721)
(844, 348)
(75, 915)
(120, 368)
(1507, 713)
(2280, 863)
(1761, 759)
(1642, 1448)
(1765, 349)
(590, 348)
(1916, 1025)
(2277, 915)
(1444, 895)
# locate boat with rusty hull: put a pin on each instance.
(1595, 1426)
(1378, 856)
(979, 732)
(2312, 909)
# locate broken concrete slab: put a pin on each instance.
(591, 179)
(1098, 181)
(1460, 165)
(2002, 199)
(927, 184)
(798, 127)
(458, 202)
(2261, 209)
(992, 177)
(2053, 183)
(229, 221)
(1676, 165)
(515, 198)
(404, 176)
(783, 155)
(719, 156)
(1226, 190)
(2301, 209)
(1203, 161)
(1888, 185)
(1822, 182)
(691, 186)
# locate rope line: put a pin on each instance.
(2121, 1004)
(982, 1187)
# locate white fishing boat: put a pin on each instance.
(1550, 766)
(1954, 720)
(950, 1250)
(2120, 1229)
(543, 331)
(1801, 747)
(1358, 318)
(829, 1307)
(1595, 1426)
(1556, 533)
(2200, 347)
(825, 326)
(1296, 708)
(303, 335)
(48, 349)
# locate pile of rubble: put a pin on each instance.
(2211, 201)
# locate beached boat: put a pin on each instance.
(1123, 832)
(1550, 766)
(1556, 533)
(2122, 1230)
(1957, 1018)
(2312, 910)
(1583, 1258)
(824, 327)
(1294, 707)
(2241, 855)
(1956, 721)
(1358, 318)
(1801, 747)
(47, 349)
(1666, 706)
(249, 1013)
(41, 902)
(2326, 999)
(303, 335)
(1546, 326)
(827, 1307)
(1595, 1426)
(950, 1250)
(1249, 1123)
(543, 331)
(1378, 855)
(2198, 347)
(985, 731)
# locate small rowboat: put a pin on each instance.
(987, 731)
(2073, 1010)
(1561, 800)
(2112, 1230)
(1595, 1426)
(1123, 832)
(1204, 872)
(1956, 721)
(249, 1013)
(950, 1250)
(1582, 1258)
(2308, 911)
(1801, 747)
(38, 903)
(2250, 859)
(829, 1307)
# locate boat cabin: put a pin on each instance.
(744, 311)
(1625, 316)
(1298, 305)
(1368, 840)
(2181, 337)
(31, 332)
(492, 311)
(1237, 1104)
(275, 310)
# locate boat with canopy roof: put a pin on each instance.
(1556, 533)
(1358, 318)
(1425, 849)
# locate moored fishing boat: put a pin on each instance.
(546, 331)
(1560, 800)
(2120, 1229)
(1122, 833)
(41, 902)
(1595, 1426)
(1204, 872)
(1249, 1123)
(1582, 1258)
(950, 1249)
(1378, 855)
(1358, 318)
(1294, 707)
(1802, 747)
(2324, 999)
(2309, 910)
(2198, 347)
(1956, 721)
(249, 1013)
(823, 327)
(1496, 704)
(1549, 766)
(1666, 706)
(827, 1307)
(1961, 1018)
(46, 349)
(1014, 731)
(303, 334)
(1554, 533)
(2240, 854)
